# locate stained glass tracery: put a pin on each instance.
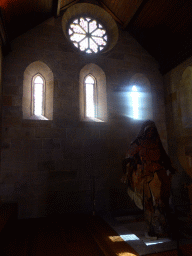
(88, 35)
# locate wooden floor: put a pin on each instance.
(71, 235)
(77, 235)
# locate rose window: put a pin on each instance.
(88, 35)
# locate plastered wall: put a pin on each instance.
(178, 100)
(1, 59)
(49, 166)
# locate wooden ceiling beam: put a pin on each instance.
(133, 13)
(110, 12)
(2, 31)
(56, 7)
(3, 35)
(136, 14)
(68, 5)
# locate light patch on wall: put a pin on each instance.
(134, 102)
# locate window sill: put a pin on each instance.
(37, 117)
(89, 122)
(93, 119)
(34, 121)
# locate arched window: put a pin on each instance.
(90, 96)
(38, 95)
(135, 99)
(38, 85)
(140, 98)
(93, 97)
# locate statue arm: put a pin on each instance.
(166, 161)
(129, 159)
(127, 166)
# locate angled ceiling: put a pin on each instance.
(162, 27)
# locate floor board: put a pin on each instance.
(70, 235)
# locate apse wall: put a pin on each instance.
(53, 166)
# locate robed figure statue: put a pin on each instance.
(148, 172)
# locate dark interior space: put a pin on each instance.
(61, 163)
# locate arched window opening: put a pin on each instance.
(38, 95)
(90, 97)
(38, 90)
(139, 101)
(140, 98)
(92, 94)
(134, 100)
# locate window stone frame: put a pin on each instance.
(97, 13)
(101, 93)
(30, 72)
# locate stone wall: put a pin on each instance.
(1, 91)
(50, 166)
(178, 89)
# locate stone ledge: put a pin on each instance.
(36, 123)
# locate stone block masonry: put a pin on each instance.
(48, 166)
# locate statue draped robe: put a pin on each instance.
(149, 181)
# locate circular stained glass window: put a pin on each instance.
(88, 35)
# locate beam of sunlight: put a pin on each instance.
(159, 241)
(115, 238)
(122, 238)
(128, 237)
(135, 102)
